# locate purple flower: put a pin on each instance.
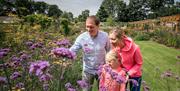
(71, 89)
(63, 52)
(15, 75)
(134, 82)
(99, 70)
(38, 67)
(20, 85)
(45, 77)
(24, 56)
(102, 88)
(14, 58)
(45, 87)
(167, 73)
(146, 88)
(120, 79)
(36, 45)
(29, 43)
(68, 85)
(4, 52)
(63, 42)
(3, 80)
(82, 83)
(177, 77)
(43, 64)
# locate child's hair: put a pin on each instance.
(112, 55)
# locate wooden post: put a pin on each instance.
(177, 26)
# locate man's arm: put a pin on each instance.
(107, 47)
(76, 46)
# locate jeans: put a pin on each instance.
(89, 78)
(134, 87)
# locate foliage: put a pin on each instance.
(142, 36)
(138, 9)
(54, 11)
(83, 15)
(36, 45)
(168, 38)
(43, 20)
(28, 7)
(111, 6)
(102, 14)
(67, 15)
(65, 23)
(110, 21)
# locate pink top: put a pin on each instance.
(131, 58)
(109, 84)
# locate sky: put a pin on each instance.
(77, 6)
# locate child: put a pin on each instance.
(112, 78)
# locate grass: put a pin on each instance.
(157, 59)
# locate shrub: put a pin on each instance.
(66, 29)
(142, 36)
(43, 20)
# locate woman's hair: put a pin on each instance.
(118, 32)
(112, 55)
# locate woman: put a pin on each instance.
(130, 54)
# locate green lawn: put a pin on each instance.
(157, 59)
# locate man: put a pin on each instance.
(95, 44)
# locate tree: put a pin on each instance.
(65, 26)
(111, 6)
(102, 14)
(6, 6)
(54, 11)
(83, 15)
(23, 7)
(137, 10)
(40, 7)
(122, 12)
(67, 15)
(110, 21)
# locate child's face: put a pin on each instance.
(113, 63)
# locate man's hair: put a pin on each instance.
(95, 19)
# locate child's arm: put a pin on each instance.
(123, 87)
(102, 79)
(123, 73)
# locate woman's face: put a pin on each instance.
(113, 39)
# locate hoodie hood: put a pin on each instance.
(129, 44)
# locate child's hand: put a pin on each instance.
(122, 72)
(127, 78)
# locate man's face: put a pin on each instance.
(91, 27)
